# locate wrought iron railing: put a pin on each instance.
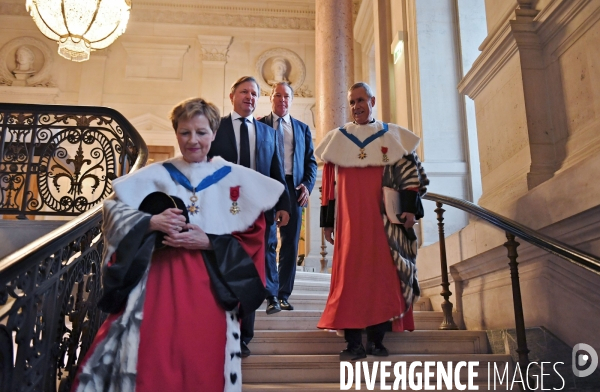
(60, 160)
(49, 289)
(512, 229)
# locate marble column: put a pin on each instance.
(334, 55)
(334, 74)
(384, 64)
(214, 57)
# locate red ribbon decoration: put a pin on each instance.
(384, 150)
(234, 193)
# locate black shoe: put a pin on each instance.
(352, 354)
(245, 350)
(377, 350)
(285, 305)
(272, 305)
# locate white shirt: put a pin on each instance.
(288, 141)
(251, 137)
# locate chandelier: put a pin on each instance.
(80, 26)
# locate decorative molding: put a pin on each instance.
(229, 9)
(503, 43)
(355, 9)
(363, 26)
(154, 61)
(209, 15)
(227, 16)
(39, 94)
(295, 72)
(499, 50)
(560, 14)
(150, 122)
(13, 9)
(414, 75)
(214, 47)
(39, 78)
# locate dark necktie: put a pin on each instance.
(280, 140)
(244, 143)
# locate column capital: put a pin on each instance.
(214, 47)
(526, 10)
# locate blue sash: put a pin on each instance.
(182, 180)
(367, 141)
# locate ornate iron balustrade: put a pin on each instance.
(512, 229)
(60, 160)
(49, 289)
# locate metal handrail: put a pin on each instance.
(558, 248)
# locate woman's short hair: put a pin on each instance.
(191, 107)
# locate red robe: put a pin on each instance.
(183, 330)
(365, 288)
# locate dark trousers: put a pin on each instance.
(289, 236)
(272, 278)
(375, 334)
(247, 327)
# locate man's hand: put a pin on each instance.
(282, 218)
(303, 198)
(328, 232)
(408, 218)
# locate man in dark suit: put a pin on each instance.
(243, 140)
(295, 143)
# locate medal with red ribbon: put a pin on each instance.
(234, 194)
(384, 151)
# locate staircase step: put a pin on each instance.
(326, 368)
(316, 299)
(303, 300)
(321, 286)
(312, 276)
(307, 320)
(326, 387)
(327, 343)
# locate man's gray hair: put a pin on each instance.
(363, 85)
(286, 84)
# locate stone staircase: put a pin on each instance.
(290, 354)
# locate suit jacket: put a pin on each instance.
(267, 160)
(304, 167)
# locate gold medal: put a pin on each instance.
(193, 208)
(362, 154)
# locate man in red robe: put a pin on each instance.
(374, 279)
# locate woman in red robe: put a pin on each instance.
(175, 281)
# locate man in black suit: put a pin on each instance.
(295, 143)
(243, 140)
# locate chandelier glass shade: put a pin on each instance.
(80, 26)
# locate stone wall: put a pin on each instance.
(537, 100)
(169, 52)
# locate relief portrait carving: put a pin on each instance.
(24, 59)
(26, 62)
(279, 69)
(281, 65)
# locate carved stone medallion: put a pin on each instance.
(277, 65)
(25, 61)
